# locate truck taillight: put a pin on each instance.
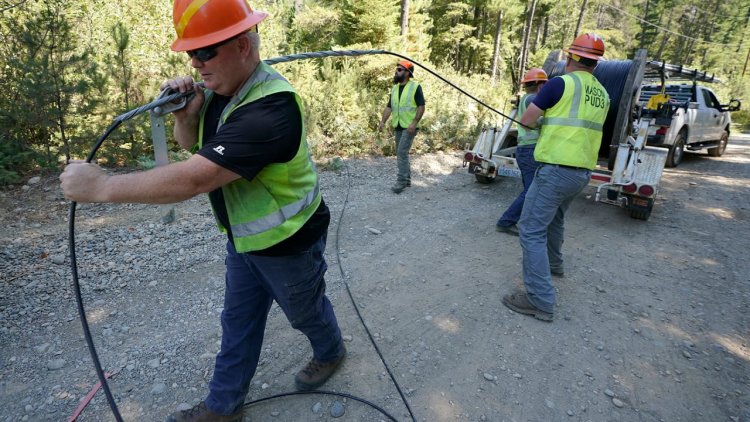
(631, 188)
(662, 130)
(646, 190)
(473, 157)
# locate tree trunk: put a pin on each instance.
(580, 18)
(526, 35)
(643, 25)
(457, 56)
(694, 28)
(711, 28)
(664, 40)
(404, 19)
(496, 47)
(663, 44)
(545, 32)
(742, 36)
(683, 22)
(513, 73)
(477, 34)
(537, 33)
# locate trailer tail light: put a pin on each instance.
(646, 190)
(473, 157)
(662, 130)
(631, 188)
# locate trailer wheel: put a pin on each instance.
(719, 150)
(484, 179)
(674, 157)
(640, 214)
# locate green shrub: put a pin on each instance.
(344, 100)
(13, 161)
(741, 118)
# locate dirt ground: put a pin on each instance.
(652, 322)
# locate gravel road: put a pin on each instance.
(652, 322)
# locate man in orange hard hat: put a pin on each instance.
(251, 157)
(573, 108)
(532, 82)
(405, 107)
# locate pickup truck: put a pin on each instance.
(688, 116)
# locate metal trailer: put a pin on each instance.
(629, 173)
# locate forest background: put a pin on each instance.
(69, 67)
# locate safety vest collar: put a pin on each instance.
(261, 75)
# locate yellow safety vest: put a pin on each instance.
(526, 136)
(571, 130)
(404, 109)
(280, 199)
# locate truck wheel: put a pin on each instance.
(674, 157)
(484, 179)
(719, 150)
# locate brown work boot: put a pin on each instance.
(398, 187)
(511, 230)
(315, 373)
(520, 303)
(200, 413)
(557, 272)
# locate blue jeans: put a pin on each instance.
(541, 228)
(403, 145)
(253, 282)
(528, 165)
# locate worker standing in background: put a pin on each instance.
(532, 82)
(574, 107)
(405, 107)
(251, 157)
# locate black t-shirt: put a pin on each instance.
(255, 135)
(418, 98)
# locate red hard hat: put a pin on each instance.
(534, 74)
(589, 45)
(200, 23)
(407, 65)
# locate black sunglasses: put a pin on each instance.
(207, 53)
(400, 69)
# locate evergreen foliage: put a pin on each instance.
(63, 86)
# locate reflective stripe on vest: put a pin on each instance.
(276, 219)
(404, 108)
(526, 136)
(280, 199)
(571, 130)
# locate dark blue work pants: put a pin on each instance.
(253, 282)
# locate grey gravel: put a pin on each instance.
(429, 285)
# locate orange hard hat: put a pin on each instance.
(407, 65)
(589, 45)
(534, 74)
(200, 23)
